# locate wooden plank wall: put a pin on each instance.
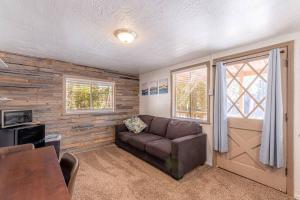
(37, 84)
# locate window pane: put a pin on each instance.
(182, 90)
(87, 95)
(78, 95)
(102, 97)
(199, 94)
(191, 93)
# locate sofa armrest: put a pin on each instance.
(187, 153)
(119, 128)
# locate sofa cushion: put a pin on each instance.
(124, 136)
(135, 124)
(159, 126)
(180, 128)
(140, 140)
(159, 148)
(147, 119)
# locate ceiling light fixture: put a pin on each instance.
(125, 36)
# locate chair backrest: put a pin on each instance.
(14, 149)
(69, 165)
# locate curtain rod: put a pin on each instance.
(282, 51)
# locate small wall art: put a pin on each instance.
(153, 87)
(145, 89)
(163, 86)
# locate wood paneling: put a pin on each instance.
(37, 84)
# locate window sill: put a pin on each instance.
(192, 120)
(95, 113)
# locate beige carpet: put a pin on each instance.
(111, 173)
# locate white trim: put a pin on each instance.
(187, 69)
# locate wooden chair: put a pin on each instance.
(14, 149)
(69, 165)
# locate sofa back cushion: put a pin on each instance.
(180, 128)
(147, 119)
(159, 126)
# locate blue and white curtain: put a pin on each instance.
(220, 110)
(272, 144)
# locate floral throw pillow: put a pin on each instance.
(135, 124)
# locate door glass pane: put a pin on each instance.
(247, 88)
(229, 104)
(233, 112)
(264, 74)
(233, 69)
(246, 76)
(258, 90)
(229, 78)
(259, 65)
(257, 114)
(234, 91)
(248, 104)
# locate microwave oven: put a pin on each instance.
(12, 118)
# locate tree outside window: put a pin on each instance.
(88, 96)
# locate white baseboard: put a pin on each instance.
(210, 164)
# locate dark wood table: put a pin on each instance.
(32, 175)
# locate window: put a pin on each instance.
(190, 92)
(84, 95)
(247, 88)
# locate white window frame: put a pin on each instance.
(90, 80)
(173, 95)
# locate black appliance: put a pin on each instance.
(53, 140)
(34, 134)
(12, 118)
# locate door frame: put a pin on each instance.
(290, 105)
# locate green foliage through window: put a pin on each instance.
(86, 95)
(191, 100)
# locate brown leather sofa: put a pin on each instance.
(174, 146)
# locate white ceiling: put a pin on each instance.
(169, 31)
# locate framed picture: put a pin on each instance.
(163, 86)
(153, 88)
(145, 89)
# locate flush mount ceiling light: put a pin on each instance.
(125, 36)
